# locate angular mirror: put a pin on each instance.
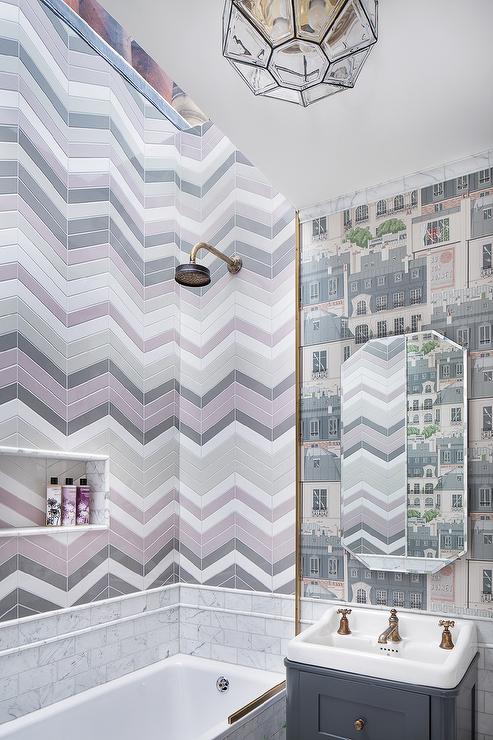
(404, 447)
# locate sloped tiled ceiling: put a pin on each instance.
(422, 99)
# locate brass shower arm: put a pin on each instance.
(234, 263)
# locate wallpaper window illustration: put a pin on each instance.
(414, 261)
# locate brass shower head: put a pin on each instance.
(193, 275)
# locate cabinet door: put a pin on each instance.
(330, 709)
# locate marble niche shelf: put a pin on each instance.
(44, 464)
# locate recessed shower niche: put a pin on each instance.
(404, 448)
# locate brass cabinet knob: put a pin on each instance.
(359, 724)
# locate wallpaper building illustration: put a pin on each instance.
(190, 394)
(400, 263)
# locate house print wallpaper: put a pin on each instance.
(407, 262)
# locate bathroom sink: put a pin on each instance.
(417, 659)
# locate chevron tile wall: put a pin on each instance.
(190, 394)
(374, 463)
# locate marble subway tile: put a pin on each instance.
(195, 647)
(19, 705)
(109, 612)
(278, 628)
(137, 605)
(90, 639)
(40, 676)
(224, 653)
(195, 615)
(251, 658)
(238, 602)
(119, 668)
(72, 666)
(99, 656)
(72, 620)
(255, 625)
(56, 650)
(9, 637)
(88, 679)
(56, 691)
(37, 629)
(266, 644)
(9, 687)
(21, 660)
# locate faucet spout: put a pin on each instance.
(392, 631)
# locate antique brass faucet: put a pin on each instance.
(344, 623)
(447, 642)
(392, 631)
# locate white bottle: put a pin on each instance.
(53, 504)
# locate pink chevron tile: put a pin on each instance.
(39, 390)
(52, 553)
(41, 294)
(20, 508)
(83, 255)
(8, 549)
(167, 499)
(122, 544)
(82, 547)
(212, 544)
(165, 536)
(95, 385)
(87, 403)
(8, 376)
(120, 530)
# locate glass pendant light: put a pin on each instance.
(299, 50)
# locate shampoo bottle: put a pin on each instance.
(53, 504)
(83, 498)
(69, 498)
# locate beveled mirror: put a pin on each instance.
(404, 447)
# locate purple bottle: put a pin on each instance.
(69, 493)
(83, 499)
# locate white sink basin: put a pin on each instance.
(417, 659)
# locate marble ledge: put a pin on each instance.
(58, 624)
(52, 454)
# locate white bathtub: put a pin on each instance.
(175, 699)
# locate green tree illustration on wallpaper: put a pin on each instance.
(428, 346)
(359, 236)
(391, 226)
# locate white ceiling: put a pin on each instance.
(424, 97)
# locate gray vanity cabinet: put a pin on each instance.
(333, 705)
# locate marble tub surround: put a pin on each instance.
(49, 657)
(241, 627)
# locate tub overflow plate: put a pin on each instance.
(222, 684)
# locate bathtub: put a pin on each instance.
(174, 699)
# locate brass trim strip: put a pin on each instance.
(298, 490)
(240, 713)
